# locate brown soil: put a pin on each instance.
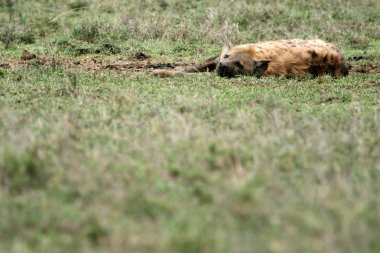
(142, 64)
(368, 68)
(91, 64)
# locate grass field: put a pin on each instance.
(101, 159)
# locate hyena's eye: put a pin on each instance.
(226, 56)
(238, 64)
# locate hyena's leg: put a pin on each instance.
(208, 66)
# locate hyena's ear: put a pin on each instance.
(227, 45)
(260, 67)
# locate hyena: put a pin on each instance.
(288, 58)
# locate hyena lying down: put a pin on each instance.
(289, 58)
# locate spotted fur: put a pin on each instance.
(288, 58)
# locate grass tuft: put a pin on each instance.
(90, 31)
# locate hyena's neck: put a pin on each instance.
(248, 48)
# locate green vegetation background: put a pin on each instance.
(108, 162)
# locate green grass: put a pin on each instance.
(109, 162)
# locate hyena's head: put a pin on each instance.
(235, 61)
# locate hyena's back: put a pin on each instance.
(299, 57)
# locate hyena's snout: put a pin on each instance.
(223, 70)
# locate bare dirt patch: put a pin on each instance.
(142, 63)
(368, 68)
